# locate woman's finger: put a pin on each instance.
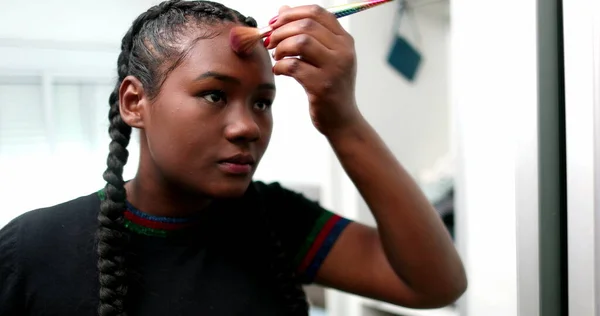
(298, 69)
(284, 8)
(303, 26)
(305, 46)
(314, 12)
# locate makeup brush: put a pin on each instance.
(243, 38)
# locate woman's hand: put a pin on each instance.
(409, 259)
(312, 47)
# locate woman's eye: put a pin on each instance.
(214, 97)
(263, 105)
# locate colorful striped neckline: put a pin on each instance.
(151, 225)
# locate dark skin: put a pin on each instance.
(214, 105)
(408, 260)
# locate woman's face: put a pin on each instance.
(211, 122)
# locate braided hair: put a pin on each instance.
(150, 44)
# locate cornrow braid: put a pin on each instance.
(112, 238)
(155, 39)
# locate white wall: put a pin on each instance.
(494, 93)
(413, 118)
(582, 74)
(69, 20)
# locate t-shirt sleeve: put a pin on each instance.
(10, 299)
(308, 231)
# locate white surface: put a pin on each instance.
(397, 310)
(494, 82)
(526, 208)
(317, 312)
(412, 117)
(582, 84)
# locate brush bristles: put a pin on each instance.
(243, 39)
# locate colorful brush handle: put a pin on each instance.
(339, 11)
(351, 8)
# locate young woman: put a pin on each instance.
(192, 234)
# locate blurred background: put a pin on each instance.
(491, 106)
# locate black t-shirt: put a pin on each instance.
(217, 266)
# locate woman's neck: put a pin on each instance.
(161, 199)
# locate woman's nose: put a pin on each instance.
(242, 125)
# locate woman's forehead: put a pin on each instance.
(214, 53)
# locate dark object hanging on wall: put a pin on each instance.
(403, 56)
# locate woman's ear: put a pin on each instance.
(132, 102)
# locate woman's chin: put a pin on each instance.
(217, 186)
(230, 189)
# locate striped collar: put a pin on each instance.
(151, 225)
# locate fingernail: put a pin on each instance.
(267, 41)
(273, 20)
